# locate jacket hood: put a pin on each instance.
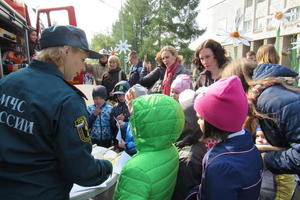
(272, 70)
(157, 121)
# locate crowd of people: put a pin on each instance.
(233, 133)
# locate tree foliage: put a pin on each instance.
(102, 41)
(151, 24)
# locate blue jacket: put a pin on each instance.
(233, 170)
(100, 124)
(284, 106)
(130, 146)
(44, 142)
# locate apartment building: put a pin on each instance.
(257, 23)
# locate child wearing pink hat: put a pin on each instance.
(232, 168)
(181, 83)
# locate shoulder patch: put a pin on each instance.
(82, 129)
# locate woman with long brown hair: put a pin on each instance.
(209, 59)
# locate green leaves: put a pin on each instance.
(102, 41)
(149, 25)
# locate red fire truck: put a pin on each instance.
(15, 25)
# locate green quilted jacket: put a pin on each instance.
(157, 121)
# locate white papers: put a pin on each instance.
(121, 161)
(119, 136)
(118, 160)
(78, 188)
(80, 192)
(103, 153)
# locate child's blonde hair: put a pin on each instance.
(114, 59)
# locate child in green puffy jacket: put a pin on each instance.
(157, 121)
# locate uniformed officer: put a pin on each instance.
(44, 140)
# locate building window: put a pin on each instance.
(270, 24)
(294, 14)
(247, 26)
(248, 3)
(259, 24)
(258, 1)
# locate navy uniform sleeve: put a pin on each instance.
(73, 146)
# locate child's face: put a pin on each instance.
(113, 64)
(260, 138)
(201, 123)
(121, 97)
(98, 101)
(174, 94)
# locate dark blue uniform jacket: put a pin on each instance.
(44, 142)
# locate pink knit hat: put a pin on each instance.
(224, 105)
(181, 83)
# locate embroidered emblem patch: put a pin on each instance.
(82, 128)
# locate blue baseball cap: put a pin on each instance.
(121, 87)
(55, 36)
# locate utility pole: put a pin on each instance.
(123, 36)
(123, 44)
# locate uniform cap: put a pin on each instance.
(56, 36)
